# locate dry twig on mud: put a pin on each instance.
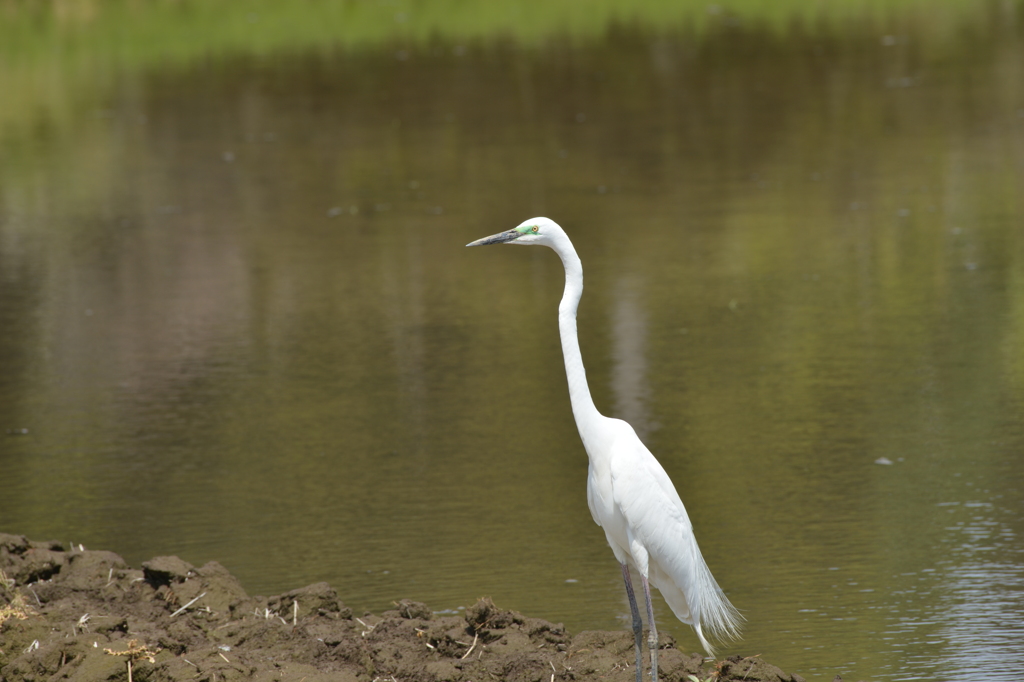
(187, 605)
(12, 611)
(135, 652)
(17, 608)
(471, 647)
(369, 628)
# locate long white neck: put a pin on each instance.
(583, 408)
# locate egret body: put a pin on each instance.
(629, 494)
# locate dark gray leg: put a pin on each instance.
(638, 625)
(652, 635)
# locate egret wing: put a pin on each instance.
(658, 521)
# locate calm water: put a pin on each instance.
(239, 324)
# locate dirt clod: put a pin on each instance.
(414, 609)
(754, 669)
(164, 570)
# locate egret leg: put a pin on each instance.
(652, 635)
(638, 625)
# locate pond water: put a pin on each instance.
(239, 324)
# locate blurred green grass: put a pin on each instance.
(58, 58)
(135, 33)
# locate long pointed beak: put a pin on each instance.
(500, 238)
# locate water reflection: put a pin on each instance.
(629, 363)
(239, 325)
(982, 585)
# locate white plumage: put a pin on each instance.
(630, 495)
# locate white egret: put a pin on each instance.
(629, 494)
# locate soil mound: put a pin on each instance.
(87, 616)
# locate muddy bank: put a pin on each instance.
(86, 615)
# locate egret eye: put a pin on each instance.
(536, 229)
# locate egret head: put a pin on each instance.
(543, 231)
